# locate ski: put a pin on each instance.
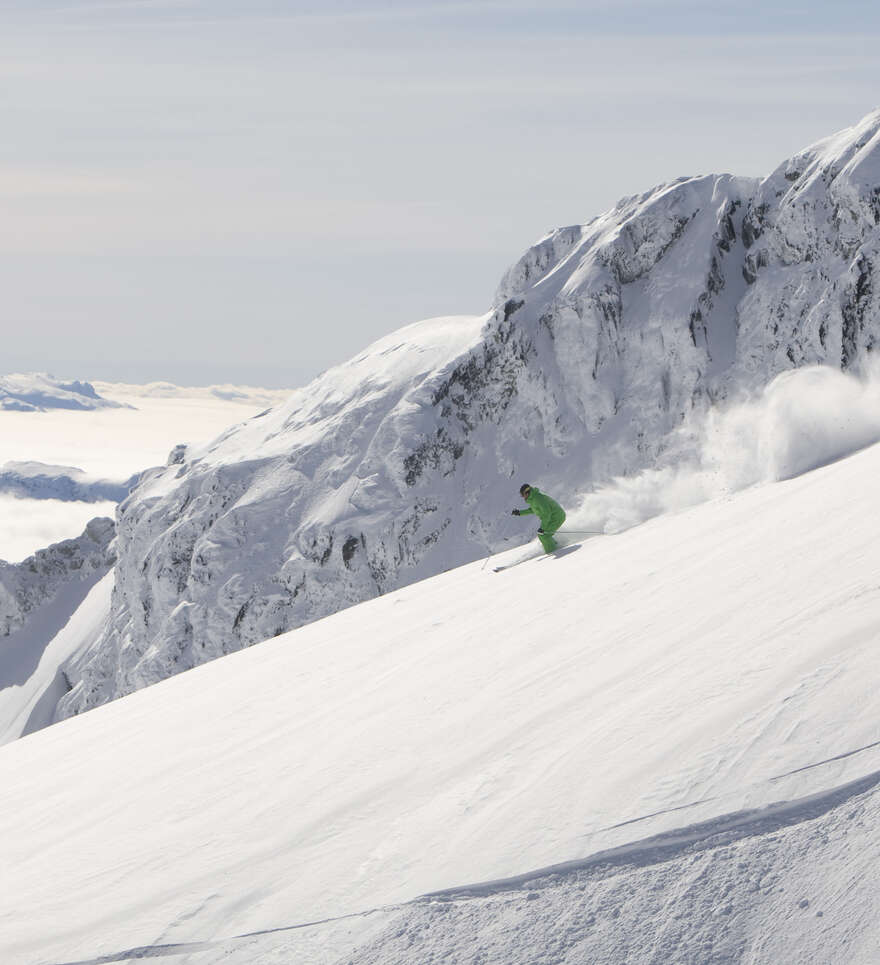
(524, 559)
(562, 550)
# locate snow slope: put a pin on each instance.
(477, 727)
(25, 586)
(319, 456)
(32, 679)
(49, 612)
(603, 341)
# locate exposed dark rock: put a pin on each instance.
(753, 224)
(349, 548)
(853, 311)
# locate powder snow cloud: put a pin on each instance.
(803, 419)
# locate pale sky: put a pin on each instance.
(223, 190)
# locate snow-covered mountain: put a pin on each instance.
(37, 480)
(38, 391)
(45, 622)
(661, 747)
(405, 461)
(110, 446)
(25, 586)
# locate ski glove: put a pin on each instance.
(514, 512)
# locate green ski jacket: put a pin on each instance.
(551, 514)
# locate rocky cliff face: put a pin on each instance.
(25, 586)
(811, 237)
(406, 460)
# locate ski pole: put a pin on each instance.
(582, 532)
(491, 554)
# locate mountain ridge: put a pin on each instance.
(603, 340)
(39, 391)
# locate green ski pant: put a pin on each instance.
(545, 533)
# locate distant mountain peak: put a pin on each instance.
(39, 391)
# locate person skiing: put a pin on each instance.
(551, 514)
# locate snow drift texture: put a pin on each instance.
(661, 748)
(603, 340)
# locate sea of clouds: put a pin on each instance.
(27, 525)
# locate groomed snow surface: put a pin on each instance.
(658, 747)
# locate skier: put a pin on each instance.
(551, 514)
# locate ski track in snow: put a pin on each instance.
(709, 328)
(511, 736)
(718, 664)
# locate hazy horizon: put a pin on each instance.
(252, 192)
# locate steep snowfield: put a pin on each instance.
(114, 443)
(26, 586)
(32, 680)
(281, 478)
(48, 614)
(603, 341)
(479, 726)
